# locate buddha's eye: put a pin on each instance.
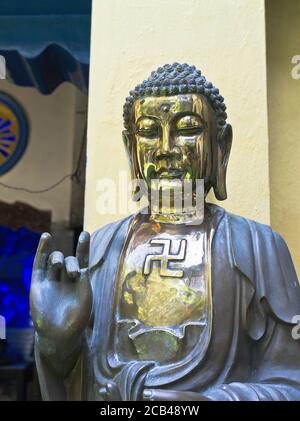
(189, 125)
(147, 128)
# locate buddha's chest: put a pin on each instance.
(163, 289)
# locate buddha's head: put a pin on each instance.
(175, 128)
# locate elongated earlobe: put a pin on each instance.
(224, 141)
(128, 139)
(128, 143)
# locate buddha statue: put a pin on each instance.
(173, 302)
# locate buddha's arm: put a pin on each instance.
(59, 378)
(276, 356)
(61, 304)
(276, 372)
(51, 383)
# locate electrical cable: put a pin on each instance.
(75, 175)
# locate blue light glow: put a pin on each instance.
(17, 250)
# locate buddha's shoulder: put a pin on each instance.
(244, 229)
(106, 229)
(240, 225)
(102, 238)
(263, 256)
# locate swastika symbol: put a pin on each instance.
(165, 257)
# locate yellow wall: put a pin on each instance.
(283, 36)
(225, 39)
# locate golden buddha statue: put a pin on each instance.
(175, 302)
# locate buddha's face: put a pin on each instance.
(173, 137)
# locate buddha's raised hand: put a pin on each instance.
(60, 299)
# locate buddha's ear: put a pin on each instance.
(128, 143)
(128, 139)
(224, 141)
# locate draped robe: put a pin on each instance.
(251, 355)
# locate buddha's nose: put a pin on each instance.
(166, 141)
(167, 147)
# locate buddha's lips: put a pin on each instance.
(171, 173)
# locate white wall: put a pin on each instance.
(49, 154)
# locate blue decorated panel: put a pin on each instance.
(13, 133)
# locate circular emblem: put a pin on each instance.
(13, 132)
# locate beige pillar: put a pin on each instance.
(225, 39)
(283, 34)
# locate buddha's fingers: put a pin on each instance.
(41, 258)
(55, 264)
(56, 260)
(83, 249)
(72, 267)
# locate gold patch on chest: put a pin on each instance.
(157, 301)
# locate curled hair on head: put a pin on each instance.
(174, 79)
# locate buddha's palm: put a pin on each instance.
(60, 294)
